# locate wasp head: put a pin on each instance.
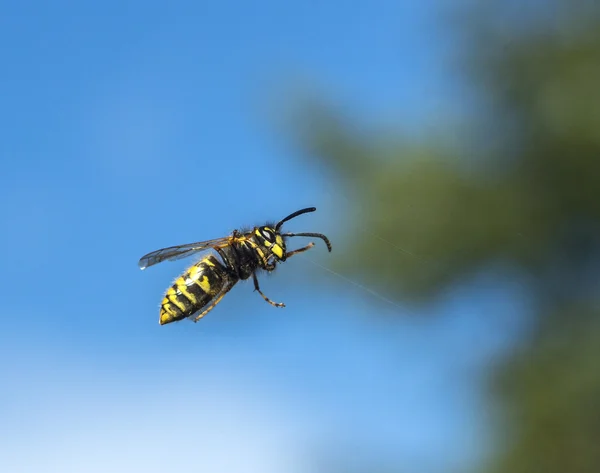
(272, 240)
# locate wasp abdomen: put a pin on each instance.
(193, 290)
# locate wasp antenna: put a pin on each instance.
(294, 215)
(316, 235)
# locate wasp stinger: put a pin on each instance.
(202, 286)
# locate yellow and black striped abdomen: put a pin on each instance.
(193, 290)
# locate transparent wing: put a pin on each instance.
(181, 251)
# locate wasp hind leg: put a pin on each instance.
(214, 302)
(257, 288)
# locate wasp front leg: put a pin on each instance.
(300, 250)
(257, 288)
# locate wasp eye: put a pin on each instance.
(267, 234)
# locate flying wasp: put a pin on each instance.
(242, 254)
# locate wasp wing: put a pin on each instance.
(181, 251)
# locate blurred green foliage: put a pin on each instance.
(551, 389)
(525, 194)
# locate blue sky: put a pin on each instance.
(129, 126)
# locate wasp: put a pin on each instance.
(240, 255)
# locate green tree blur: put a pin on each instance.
(521, 190)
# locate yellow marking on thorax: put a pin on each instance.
(258, 249)
(261, 253)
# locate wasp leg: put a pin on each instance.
(256, 287)
(316, 235)
(300, 250)
(214, 302)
